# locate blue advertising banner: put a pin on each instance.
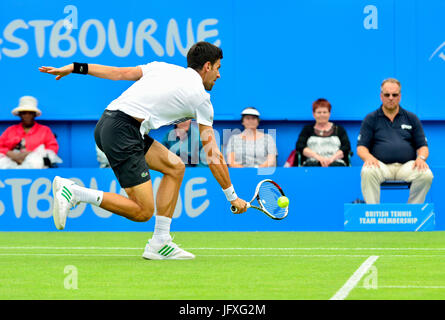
(26, 203)
(26, 200)
(389, 217)
(317, 201)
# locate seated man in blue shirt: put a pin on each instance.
(393, 146)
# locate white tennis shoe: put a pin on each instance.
(165, 251)
(64, 200)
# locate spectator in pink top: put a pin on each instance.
(28, 145)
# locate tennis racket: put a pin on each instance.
(267, 193)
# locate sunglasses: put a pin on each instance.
(387, 95)
(26, 112)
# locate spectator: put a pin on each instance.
(102, 158)
(184, 141)
(323, 143)
(28, 145)
(393, 146)
(252, 147)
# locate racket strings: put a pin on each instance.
(268, 196)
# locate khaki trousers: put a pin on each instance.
(372, 177)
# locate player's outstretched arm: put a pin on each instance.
(58, 72)
(218, 166)
(96, 70)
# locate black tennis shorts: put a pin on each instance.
(117, 135)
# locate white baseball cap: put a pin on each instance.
(250, 111)
(27, 103)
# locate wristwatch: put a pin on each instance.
(423, 158)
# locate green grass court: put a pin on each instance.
(228, 266)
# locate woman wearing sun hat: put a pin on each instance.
(252, 147)
(26, 144)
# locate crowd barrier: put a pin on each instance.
(317, 197)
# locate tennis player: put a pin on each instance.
(163, 94)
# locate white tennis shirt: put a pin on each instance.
(164, 95)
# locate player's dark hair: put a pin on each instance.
(201, 52)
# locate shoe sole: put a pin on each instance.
(152, 256)
(56, 216)
(155, 256)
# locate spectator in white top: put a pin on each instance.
(252, 147)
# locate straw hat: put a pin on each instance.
(27, 103)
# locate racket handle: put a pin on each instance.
(234, 210)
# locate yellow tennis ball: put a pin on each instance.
(283, 202)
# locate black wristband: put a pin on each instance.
(81, 68)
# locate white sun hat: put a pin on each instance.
(27, 103)
(250, 111)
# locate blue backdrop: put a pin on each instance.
(279, 56)
(317, 197)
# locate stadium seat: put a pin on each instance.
(348, 160)
(395, 185)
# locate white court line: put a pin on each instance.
(202, 248)
(71, 248)
(224, 255)
(68, 254)
(354, 279)
(407, 287)
(201, 255)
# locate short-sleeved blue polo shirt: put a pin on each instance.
(392, 142)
